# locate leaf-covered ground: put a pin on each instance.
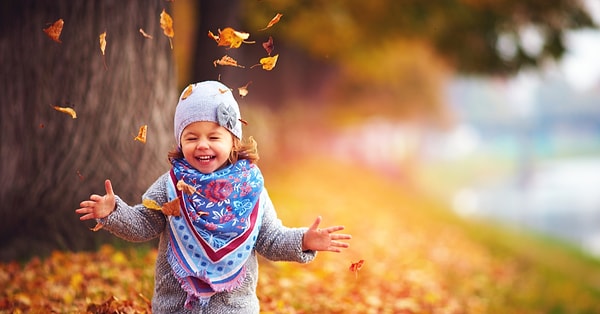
(418, 259)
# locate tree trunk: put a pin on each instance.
(51, 162)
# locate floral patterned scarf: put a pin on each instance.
(217, 228)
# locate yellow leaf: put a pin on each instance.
(67, 110)
(166, 23)
(53, 31)
(268, 63)
(103, 42)
(142, 134)
(151, 204)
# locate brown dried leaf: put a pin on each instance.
(227, 61)
(185, 188)
(268, 45)
(171, 208)
(97, 227)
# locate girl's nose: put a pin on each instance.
(202, 144)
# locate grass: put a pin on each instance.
(419, 258)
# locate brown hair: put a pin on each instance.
(241, 150)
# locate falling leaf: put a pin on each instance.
(273, 21)
(53, 31)
(67, 110)
(102, 39)
(227, 61)
(81, 177)
(244, 122)
(97, 227)
(355, 267)
(268, 45)
(185, 188)
(268, 63)
(243, 91)
(187, 92)
(145, 34)
(142, 134)
(151, 204)
(166, 23)
(171, 208)
(230, 38)
(103, 42)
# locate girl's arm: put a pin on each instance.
(277, 242)
(133, 223)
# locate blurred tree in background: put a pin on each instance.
(349, 59)
(398, 53)
(51, 162)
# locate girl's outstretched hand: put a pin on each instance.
(98, 206)
(325, 239)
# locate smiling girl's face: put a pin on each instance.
(206, 146)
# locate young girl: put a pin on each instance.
(211, 212)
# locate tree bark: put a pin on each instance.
(51, 162)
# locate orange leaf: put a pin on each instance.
(227, 60)
(273, 21)
(355, 267)
(145, 34)
(142, 134)
(187, 92)
(67, 110)
(166, 23)
(171, 208)
(268, 63)
(230, 38)
(102, 39)
(53, 31)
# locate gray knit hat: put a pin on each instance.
(207, 101)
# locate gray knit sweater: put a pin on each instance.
(138, 223)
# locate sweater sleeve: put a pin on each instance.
(138, 223)
(277, 242)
